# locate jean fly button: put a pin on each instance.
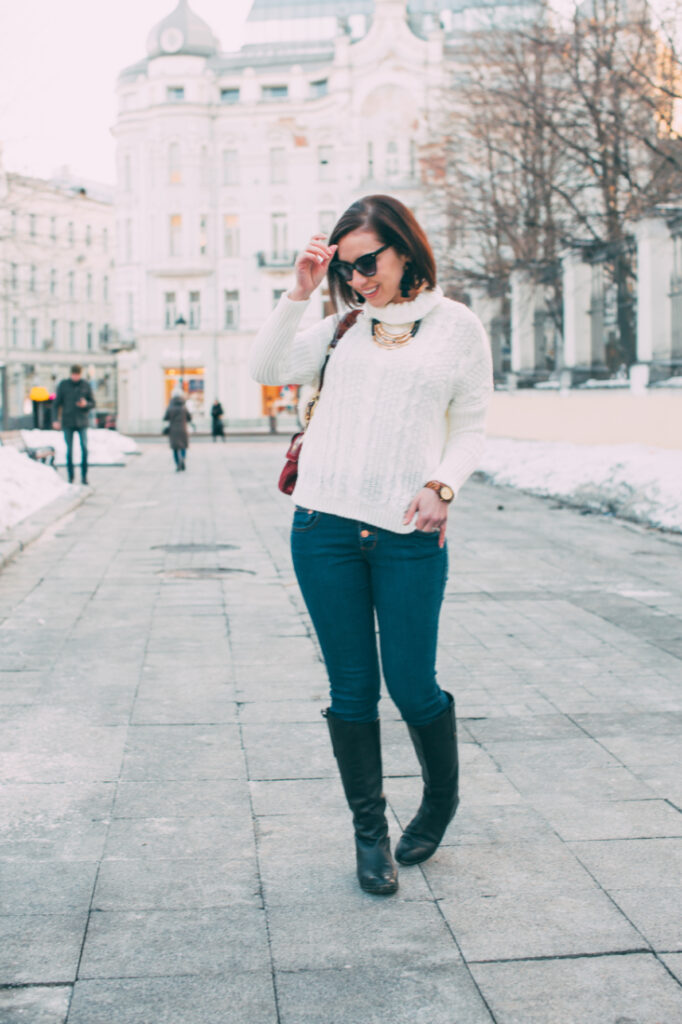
(364, 533)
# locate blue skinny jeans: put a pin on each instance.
(83, 438)
(347, 571)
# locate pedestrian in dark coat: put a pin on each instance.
(178, 417)
(72, 407)
(217, 412)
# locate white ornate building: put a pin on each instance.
(228, 162)
(56, 288)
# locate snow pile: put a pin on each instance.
(628, 480)
(25, 486)
(105, 447)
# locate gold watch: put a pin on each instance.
(444, 492)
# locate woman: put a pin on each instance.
(217, 413)
(178, 416)
(397, 430)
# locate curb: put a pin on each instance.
(18, 537)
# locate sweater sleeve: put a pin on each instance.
(280, 355)
(466, 415)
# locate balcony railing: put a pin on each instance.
(276, 260)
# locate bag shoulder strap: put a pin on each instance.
(344, 324)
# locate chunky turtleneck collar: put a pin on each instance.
(397, 313)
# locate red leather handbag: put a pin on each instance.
(289, 475)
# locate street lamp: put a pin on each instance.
(180, 323)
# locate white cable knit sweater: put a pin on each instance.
(387, 420)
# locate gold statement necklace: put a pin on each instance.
(388, 336)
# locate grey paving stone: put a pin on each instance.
(631, 863)
(204, 798)
(183, 752)
(22, 804)
(673, 961)
(621, 989)
(362, 931)
(36, 1005)
(40, 887)
(178, 884)
(522, 729)
(48, 746)
(240, 998)
(258, 712)
(505, 869)
(625, 819)
(40, 949)
(184, 710)
(655, 910)
(292, 750)
(298, 797)
(179, 838)
(645, 750)
(569, 922)
(77, 839)
(149, 944)
(439, 994)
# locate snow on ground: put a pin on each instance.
(632, 481)
(105, 447)
(25, 486)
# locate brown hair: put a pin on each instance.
(394, 225)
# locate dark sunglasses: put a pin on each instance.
(365, 265)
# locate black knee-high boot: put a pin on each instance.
(436, 747)
(357, 749)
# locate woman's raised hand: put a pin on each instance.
(311, 266)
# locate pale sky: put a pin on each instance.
(59, 61)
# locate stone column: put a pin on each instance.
(577, 292)
(654, 271)
(524, 301)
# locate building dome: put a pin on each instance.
(182, 32)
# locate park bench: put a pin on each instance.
(14, 439)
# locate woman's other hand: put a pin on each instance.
(431, 513)
(311, 266)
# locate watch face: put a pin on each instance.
(171, 39)
(446, 493)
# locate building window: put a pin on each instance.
(327, 221)
(72, 335)
(33, 329)
(274, 92)
(72, 284)
(174, 234)
(230, 167)
(130, 321)
(53, 229)
(14, 275)
(169, 316)
(277, 294)
(105, 288)
(203, 167)
(88, 234)
(392, 159)
(53, 333)
(231, 309)
(88, 286)
(13, 222)
(325, 166)
(32, 225)
(278, 165)
(175, 93)
(229, 95)
(53, 282)
(174, 164)
(279, 235)
(370, 160)
(319, 88)
(105, 239)
(70, 233)
(128, 241)
(203, 235)
(194, 310)
(32, 278)
(15, 331)
(230, 236)
(88, 337)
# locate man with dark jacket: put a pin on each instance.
(71, 409)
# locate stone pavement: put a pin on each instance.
(174, 844)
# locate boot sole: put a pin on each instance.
(386, 890)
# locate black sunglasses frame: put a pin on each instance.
(345, 270)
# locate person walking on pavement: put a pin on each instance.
(217, 412)
(72, 406)
(398, 428)
(178, 416)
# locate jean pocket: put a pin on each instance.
(304, 519)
